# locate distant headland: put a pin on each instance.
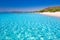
(50, 9)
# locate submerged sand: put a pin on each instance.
(56, 14)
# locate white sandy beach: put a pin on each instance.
(56, 14)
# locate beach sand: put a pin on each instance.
(56, 14)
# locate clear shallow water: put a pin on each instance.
(29, 27)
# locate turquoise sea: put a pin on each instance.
(29, 26)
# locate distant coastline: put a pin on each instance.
(48, 9)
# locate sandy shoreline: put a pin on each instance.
(56, 14)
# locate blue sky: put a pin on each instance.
(26, 5)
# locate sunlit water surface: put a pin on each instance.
(29, 27)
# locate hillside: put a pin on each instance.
(50, 9)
